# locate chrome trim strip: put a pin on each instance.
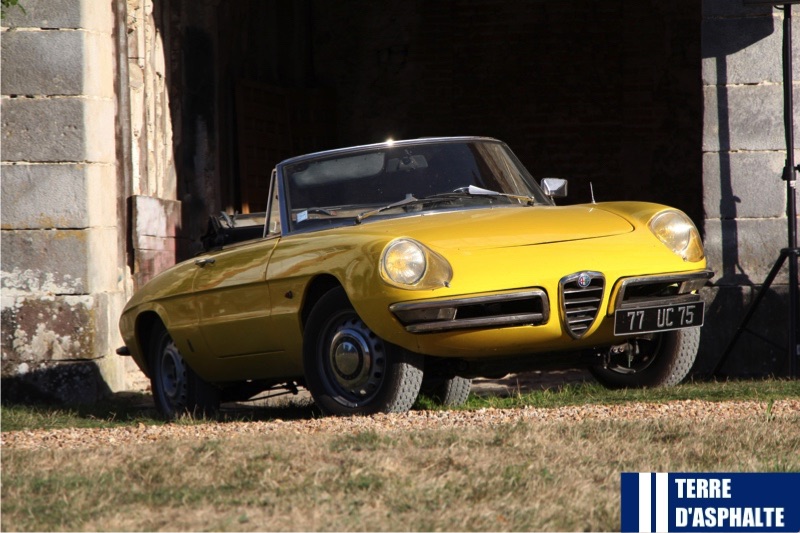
(684, 279)
(386, 144)
(470, 300)
(469, 323)
(657, 302)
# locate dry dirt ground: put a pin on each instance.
(694, 410)
(72, 438)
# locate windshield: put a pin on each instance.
(441, 175)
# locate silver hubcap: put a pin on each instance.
(356, 360)
(173, 375)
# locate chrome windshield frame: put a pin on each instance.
(287, 226)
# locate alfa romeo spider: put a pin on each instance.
(380, 271)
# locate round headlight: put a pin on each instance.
(679, 234)
(404, 262)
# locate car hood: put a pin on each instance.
(504, 227)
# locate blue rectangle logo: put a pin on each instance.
(736, 502)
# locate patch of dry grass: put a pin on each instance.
(556, 476)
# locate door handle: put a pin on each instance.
(204, 262)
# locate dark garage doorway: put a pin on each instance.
(603, 92)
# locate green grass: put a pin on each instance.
(122, 410)
(594, 393)
(132, 409)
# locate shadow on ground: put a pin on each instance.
(124, 407)
(524, 382)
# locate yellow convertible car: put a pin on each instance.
(379, 271)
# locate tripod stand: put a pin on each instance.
(792, 252)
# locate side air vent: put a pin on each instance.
(581, 296)
(525, 308)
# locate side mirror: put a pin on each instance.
(554, 187)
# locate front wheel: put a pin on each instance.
(350, 370)
(661, 360)
(177, 390)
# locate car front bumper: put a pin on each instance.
(575, 314)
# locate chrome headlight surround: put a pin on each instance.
(409, 264)
(679, 234)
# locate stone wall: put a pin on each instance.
(154, 206)
(172, 63)
(744, 197)
(152, 154)
(63, 277)
(93, 206)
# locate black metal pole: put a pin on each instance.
(791, 190)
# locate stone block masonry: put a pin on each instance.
(68, 195)
(58, 130)
(91, 15)
(62, 278)
(55, 63)
(744, 200)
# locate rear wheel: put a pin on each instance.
(661, 360)
(451, 392)
(177, 390)
(349, 369)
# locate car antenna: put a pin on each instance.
(591, 191)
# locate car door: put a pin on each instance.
(233, 302)
(233, 298)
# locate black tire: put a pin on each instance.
(350, 370)
(177, 390)
(451, 392)
(663, 361)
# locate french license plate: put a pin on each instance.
(654, 319)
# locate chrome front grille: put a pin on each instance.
(581, 296)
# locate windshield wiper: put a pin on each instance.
(461, 192)
(320, 211)
(409, 199)
(478, 191)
